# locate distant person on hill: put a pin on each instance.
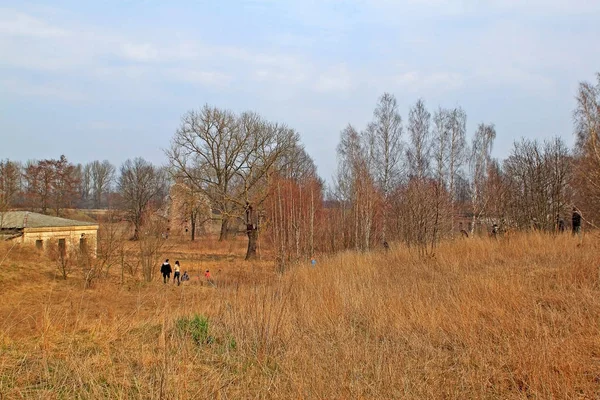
(165, 270)
(185, 277)
(494, 231)
(576, 221)
(208, 277)
(463, 232)
(177, 273)
(560, 224)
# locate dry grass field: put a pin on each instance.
(506, 319)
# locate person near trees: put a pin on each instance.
(576, 221)
(494, 233)
(165, 270)
(463, 231)
(560, 223)
(177, 273)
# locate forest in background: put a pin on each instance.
(416, 180)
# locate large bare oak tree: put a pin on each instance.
(229, 158)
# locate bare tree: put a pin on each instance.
(229, 159)
(51, 184)
(140, 184)
(587, 130)
(458, 151)
(102, 177)
(559, 161)
(152, 245)
(64, 258)
(355, 186)
(85, 184)
(10, 183)
(65, 183)
(111, 238)
(441, 151)
(415, 203)
(289, 214)
(296, 164)
(419, 148)
(38, 178)
(386, 136)
(480, 159)
(440, 144)
(189, 205)
(537, 179)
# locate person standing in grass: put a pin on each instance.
(165, 270)
(208, 277)
(494, 233)
(576, 221)
(177, 272)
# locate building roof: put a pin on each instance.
(26, 219)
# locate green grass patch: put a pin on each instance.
(195, 327)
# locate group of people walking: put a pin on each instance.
(166, 270)
(575, 222)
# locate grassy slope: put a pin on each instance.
(514, 318)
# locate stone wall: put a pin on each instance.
(181, 200)
(75, 236)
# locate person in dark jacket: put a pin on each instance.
(165, 270)
(576, 221)
(560, 224)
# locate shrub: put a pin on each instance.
(195, 327)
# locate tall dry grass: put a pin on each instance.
(504, 319)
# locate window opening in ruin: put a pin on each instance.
(83, 245)
(62, 247)
(39, 244)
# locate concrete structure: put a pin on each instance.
(43, 230)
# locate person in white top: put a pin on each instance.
(177, 269)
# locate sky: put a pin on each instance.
(111, 79)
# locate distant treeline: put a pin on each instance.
(417, 180)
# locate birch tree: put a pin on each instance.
(386, 134)
(441, 151)
(587, 131)
(419, 141)
(356, 187)
(458, 148)
(481, 150)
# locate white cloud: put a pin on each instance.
(418, 82)
(91, 52)
(539, 7)
(433, 8)
(144, 52)
(128, 72)
(15, 23)
(200, 77)
(52, 91)
(504, 51)
(337, 78)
